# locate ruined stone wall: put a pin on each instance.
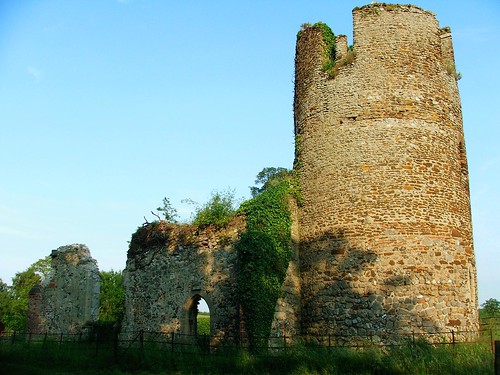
(385, 228)
(69, 297)
(164, 280)
(170, 267)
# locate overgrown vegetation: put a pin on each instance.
(328, 38)
(148, 235)
(452, 71)
(348, 59)
(218, 211)
(267, 178)
(331, 65)
(112, 297)
(329, 49)
(14, 298)
(264, 252)
(168, 211)
(490, 319)
(99, 358)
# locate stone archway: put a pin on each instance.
(189, 325)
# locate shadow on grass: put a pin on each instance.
(417, 358)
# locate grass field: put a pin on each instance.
(203, 324)
(420, 358)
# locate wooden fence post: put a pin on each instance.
(497, 357)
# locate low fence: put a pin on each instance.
(121, 342)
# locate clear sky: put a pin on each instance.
(108, 106)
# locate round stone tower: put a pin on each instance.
(385, 224)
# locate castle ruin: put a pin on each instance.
(69, 297)
(381, 241)
(385, 227)
(383, 237)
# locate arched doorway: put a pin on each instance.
(197, 325)
(198, 317)
(203, 318)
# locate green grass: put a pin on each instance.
(75, 358)
(203, 324)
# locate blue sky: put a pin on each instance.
(109, 106)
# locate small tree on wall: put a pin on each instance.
(168, 211)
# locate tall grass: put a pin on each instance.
(89, 358)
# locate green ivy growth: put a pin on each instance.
(297, 165)
(264, 252)
(329, 48)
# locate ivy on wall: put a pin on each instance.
(264, 252)
(329, 47)
(330, 65)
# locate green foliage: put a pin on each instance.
(168, 211)
(491, 307)
(219, 210)
(112, 305)
(329, 47)
(452, 71)
(264, 252)
(330, 63)
(328, 39)
(269, 177)
(4, 301)
(203, 324)
(14, 299)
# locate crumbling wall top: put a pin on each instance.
(373, 7)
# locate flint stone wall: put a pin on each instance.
(69, 297)
(164, 282)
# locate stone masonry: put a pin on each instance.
(382, 241)
(385, 228)
(172, 267)
(69, 297)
